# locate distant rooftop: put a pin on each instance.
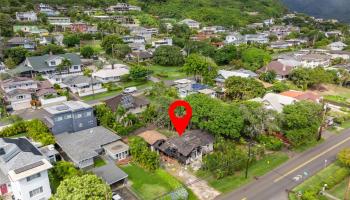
(67, 106)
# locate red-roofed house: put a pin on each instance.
(308, 96)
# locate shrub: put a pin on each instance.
(271, 142)
(344, 157)
(15, 129)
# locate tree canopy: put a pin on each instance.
(168, 56)
(87, 186)
(202, 68)
(238, 88)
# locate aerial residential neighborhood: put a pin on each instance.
(87, 87)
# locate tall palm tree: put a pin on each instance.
(88, 72)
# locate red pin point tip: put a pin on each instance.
(180, 123)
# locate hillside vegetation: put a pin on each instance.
(228, 13)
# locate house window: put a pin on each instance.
(68, 116)
(59, 119)
(29, 178)
(53, 63)
(80, 125)
(88, 114)
(76, 67)
(36, 191)
(78, 116)
(20, 97)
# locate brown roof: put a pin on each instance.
(301, 95)
(127, 101)
(277, 67)
(152, 136)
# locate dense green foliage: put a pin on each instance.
(87, 51)
(344, 157)
(35, 129)
(109, 43)
(202, 68)
(168, 56)
(139, 73)
(226, 159)
(254, 58)
(215, 116)
(220, 12)
(300, 122)
(306, 77)
(142, 155)
(83, 187)
(17, 54)
(238, 88)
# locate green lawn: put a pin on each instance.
(101, 95)
(339, 190)
(259, 168)
(332, 173)
(149, 185)
(167, 73)
(99, 162)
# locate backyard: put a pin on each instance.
(167, 73)
(257, 169)
(152, 185)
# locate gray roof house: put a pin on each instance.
(47, 64)
(24, 42)
(188, 148)
(83, 85)
(70, 116)
(20, 163)
(83, 146)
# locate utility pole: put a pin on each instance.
(324, 111)
(248, 160)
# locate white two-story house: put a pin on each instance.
(23, 170)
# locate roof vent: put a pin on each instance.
(62, 108)
(2, 151)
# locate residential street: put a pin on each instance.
(273, 185)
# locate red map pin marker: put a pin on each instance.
(180, 123)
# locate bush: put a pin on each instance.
(344, 157)
(17, 128)
(270, 142)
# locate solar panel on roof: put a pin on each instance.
(127, 101)
(28, 167)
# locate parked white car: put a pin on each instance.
(130, 90)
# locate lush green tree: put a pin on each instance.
(257, 119)
(226, 54)
(344, 157)
(160, 89)
(139, 73)
(226, 160)
(238, 88)
(300, 122)
(121, 50)
(83, 187)
(214, 116)
(305, 77)
(38, 131)
(17, 54)
(202, 68)
(255, 58)
(10, 63)
(71, 40)
(269, 76)
(87, 51)
(109, 42)
(142, 155)
(168, 56)
(279, 87)
(204, 48)
(6, 25)
(181, 31)
(50, 48)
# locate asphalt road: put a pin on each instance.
(273, 186)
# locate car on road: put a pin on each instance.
(130, 90)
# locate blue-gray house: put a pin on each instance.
(70, 116)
